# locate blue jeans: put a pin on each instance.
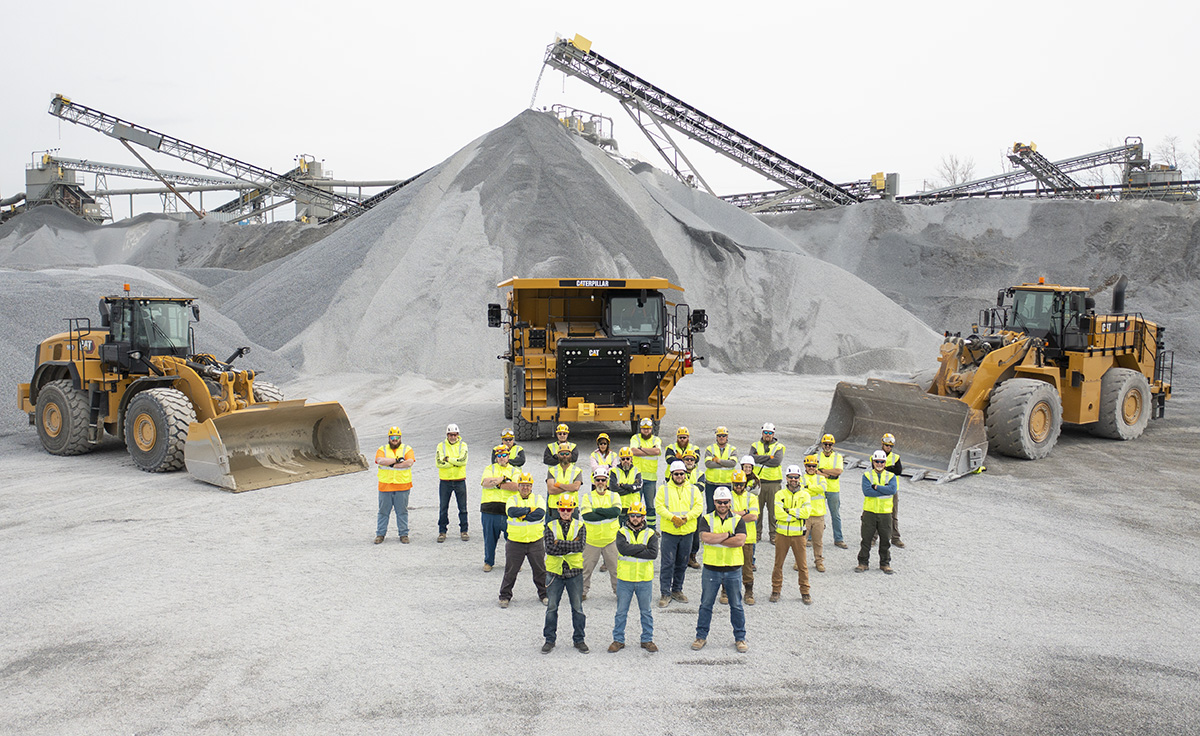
(675, 550)
(445, 489)
(493, 526)
(389, 500)
(648, 487)
(834, 502)
(554, 590)
(625, 591)
(711, 582)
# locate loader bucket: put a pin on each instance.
(273, 443)
(937, 437)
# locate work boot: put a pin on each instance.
(898, 543)
(774, 596)
(753, 567)
(547, 647)
(699, 644)
(841, 544)
(679, 596)
(379, 539)
(887, 569)
(603, 567)
(724, 598)
(860, 568)
(441, 537)
(545, 601)
(649, 646)
(487, 567)
(582, 647)
(742, 646)
(583, 597)
(820, 567)
(806, 599)
(464, 536)
(663, 601)
(504, 603)
(404, 539)
(748, 599)
(616, 646)
(692, 562)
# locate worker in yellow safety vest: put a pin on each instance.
(679, 505)
(816, 486)
(601, 511)
(498, 484)
(561, 433)
(647, 449)
(516, 453)
(768, 467)
(745, 505)
(526, 514)
(831, 464)
(626, 481)
(603, 455)
(792, 507)
(395, 461)
(637, 548)
(565, 478)
(723, 533)
(720, 460)
(565, 539)
(451, 462)
(878, 486)
(895, 467)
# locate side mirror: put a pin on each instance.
(493, 315)
(1000, 298)
(104, 319)
(699, 320)
(196, 312)
(1089, 303)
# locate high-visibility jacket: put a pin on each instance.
(693, 476)
(747, 503)
(452, 460)
(718, 555)
(832, 461)
(394, 476)
(598, 458)
(878, 504)
(762, 471)
(675, 500)
(601, 533)
(791, 509)
(647, 465)
(520, 530)
(498, 495)
(566, 476)
(816, 485)
(672, 453)
(554, 563)
(721, 476)
(635, 569)
(621, 477)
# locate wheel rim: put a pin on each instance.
(52, 420)
(145, 433)
(1131, 407)
(1039, 421)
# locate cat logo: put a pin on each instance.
(593, 353)
(87, 345)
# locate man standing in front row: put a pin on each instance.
(526, 512)
(395, 461)
(565, 538)
(451, 462)
(679, 505)
(878, 486)
(723, 534)
(637, 545)
(601, 511)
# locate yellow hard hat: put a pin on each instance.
(689, 452)
(561, 428)
(566, 501)
(507, 435)
(394, 432)
(810, 459)
(826, 438)
(739, 476)
(637, 507)
(624, 452)
(681, 432)
(721, 431)
(889, 439)
(500, 450)
(525, 478)
(603, 436)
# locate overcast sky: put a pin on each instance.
(385, 90)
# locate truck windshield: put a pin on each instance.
(1033, 311)
(162, 324)
(630, 320)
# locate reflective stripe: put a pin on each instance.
(815, 485)
(762, 471)
(878, 504)
(833, 461)
(574, 560)
(520, 530)
(635, 569)
(647, 465)
(455, 451)
(718, 555)
(787, 502)
(388, 474)
(748, 503)
(720, 475)
(498, 495)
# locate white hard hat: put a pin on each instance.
(601, 471)
(879, 455)
(678, 466)
(768, 427)
(452, 428)
(792, 470)
(722, 494)
(747, 460)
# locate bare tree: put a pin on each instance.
(953, 170)
(1168, 151)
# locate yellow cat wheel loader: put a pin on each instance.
(138, 378)
(1045, 358)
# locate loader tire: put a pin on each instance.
(62, 418)
(1024, 418)
(264, 391)
(523, 430)
(508, 400)
(1124, 404)
(156, 427)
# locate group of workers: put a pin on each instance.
(708, 518)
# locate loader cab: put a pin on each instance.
(143, 327)
(1058, 315)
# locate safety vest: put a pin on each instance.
(597, 459)
(762, 471)
(625, 478)
(512, 453)
(747, 503)
(601, 533)
(388, 474)
(520, 530)
(693, 475)
(833, 461)
(718, 555)
(684, 500)
(791, 509)
(555, 446)
(816, 485)
(635, 569)
(565, 476)
(674, 451)
(554, 563)
(892, 458)
(647, 465)
(456, 451)
(721, 476)
(498, 495)
(878, 504)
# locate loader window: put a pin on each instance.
(162, 325)
(1033, 311)
(630, 320)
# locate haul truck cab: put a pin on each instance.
(592, 350)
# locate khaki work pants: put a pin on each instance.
(816, 535)
(766, 502)
(592, 555)
(783, 543)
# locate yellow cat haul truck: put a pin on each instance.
(592, 350)
(138, 378)
(1044, 359)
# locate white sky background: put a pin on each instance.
(385, 90)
